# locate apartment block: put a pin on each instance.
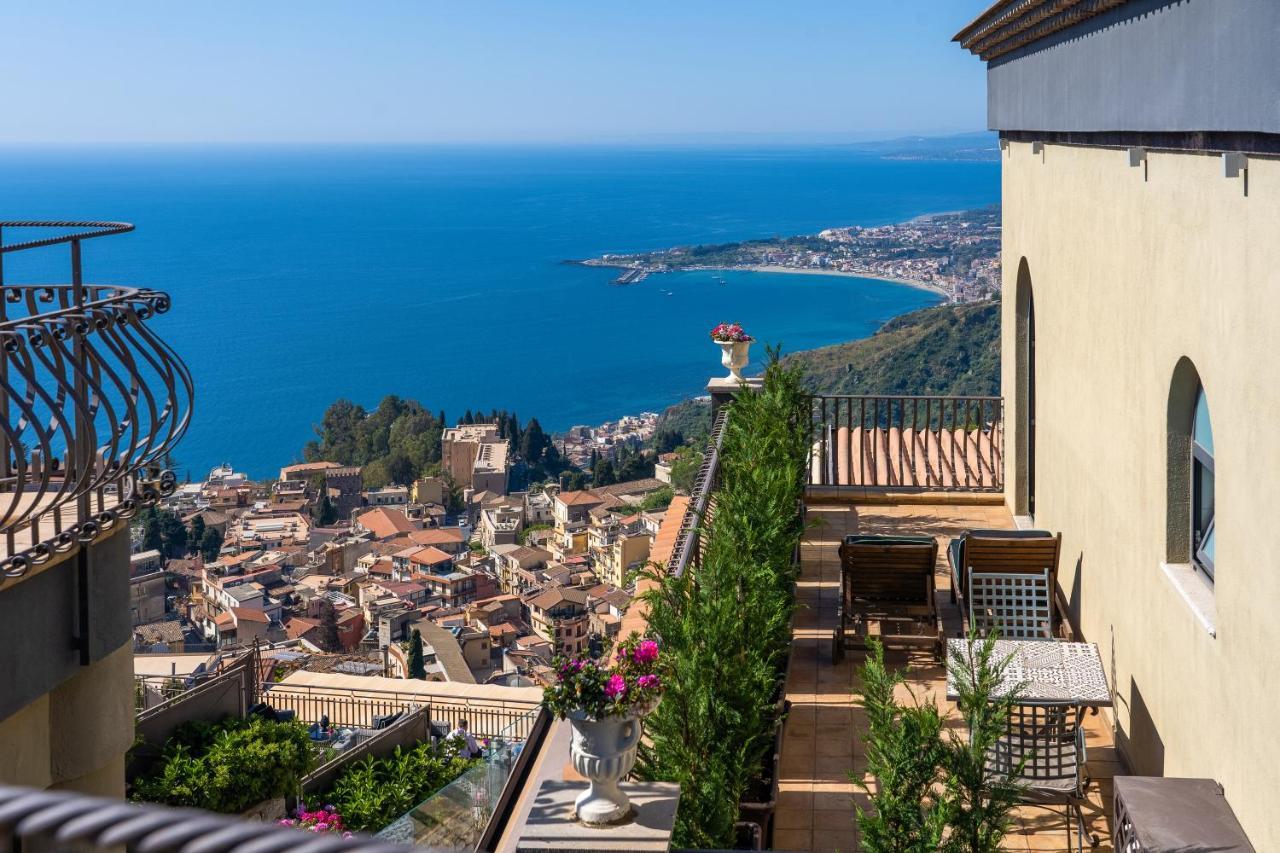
(475, 457)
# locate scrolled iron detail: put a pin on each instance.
(95, 400)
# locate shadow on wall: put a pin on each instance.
(1140, 742)
(1073, 600)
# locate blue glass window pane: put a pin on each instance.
(1203, 429)
(1207, 545)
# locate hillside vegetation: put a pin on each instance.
(945, 350)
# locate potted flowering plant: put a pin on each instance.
(605, 704)
(734, 343)
(325, 820)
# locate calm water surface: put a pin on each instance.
(301, 275)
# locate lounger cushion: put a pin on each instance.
(869, 539)
(955, 550)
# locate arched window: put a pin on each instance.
(1024, 474)
(1202, 491)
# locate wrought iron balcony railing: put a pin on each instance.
(91, 403)
(951, 444)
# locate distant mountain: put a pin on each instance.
(980, 145)
(945, 350)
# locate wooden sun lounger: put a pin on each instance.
(1008, 552)
(888, 580)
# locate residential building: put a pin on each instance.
(396, 496)
(572, 514)
(411, 561)
(429, 490)
(500, 525)
(516, 566)
(489, 473)
(618, 546)
(457, 588)
(145, 563)
(383, 523)
(538, 506)
(147, 597)
(559, 616)
(450, 540)
(268, 528)
(461, 451)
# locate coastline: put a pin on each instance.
(770, 268)
(919, 285)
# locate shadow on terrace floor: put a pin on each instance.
(822, 740)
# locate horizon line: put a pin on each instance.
(668, 140)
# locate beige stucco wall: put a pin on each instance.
(1131, 270)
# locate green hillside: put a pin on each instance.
(946, 350)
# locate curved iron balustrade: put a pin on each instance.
(91, 402)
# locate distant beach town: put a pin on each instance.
(955, 254)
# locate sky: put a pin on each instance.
(485, 71)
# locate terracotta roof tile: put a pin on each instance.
(384, 522)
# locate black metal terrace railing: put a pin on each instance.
(687, 551)
(91, 402)
(947, 444)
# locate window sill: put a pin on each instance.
(1196, 592)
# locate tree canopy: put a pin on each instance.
(401, 440)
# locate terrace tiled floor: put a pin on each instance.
(822, 742)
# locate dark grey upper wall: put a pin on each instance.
(1151, 66)
(39, 621)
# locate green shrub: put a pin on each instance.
(375, 791)
(937, 792)
(727, 624)
(905, 755)
(228, 766)
(979, 800)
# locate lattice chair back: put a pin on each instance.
(1048, 743)
(1019, 606)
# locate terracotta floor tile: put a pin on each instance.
(792, 839)
(826, 716)
(838, 840)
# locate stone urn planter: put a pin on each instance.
(605, 702)
(734, 355)
(604, 751)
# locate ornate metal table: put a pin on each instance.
(1048, 672)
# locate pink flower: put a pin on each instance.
(616, 687)
(649, 681)
(646, 652)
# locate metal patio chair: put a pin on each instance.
(1018, 606)
(1044, 748)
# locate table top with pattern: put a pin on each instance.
(1050, 672)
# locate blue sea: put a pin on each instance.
(303, 274)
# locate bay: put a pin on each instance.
(303, 274)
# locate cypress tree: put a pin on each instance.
(325, 513)
(417, 665)
(210, 544)
(197, 532)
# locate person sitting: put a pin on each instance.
(464, 740)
